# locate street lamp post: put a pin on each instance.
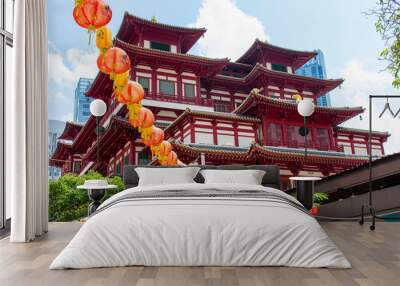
(305, 108)
(98, 108)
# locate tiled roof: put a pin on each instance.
(270, 153)
(302, 56)
(342, 113)
(259, 69)
(177, 56)
(164, 26)
(363, 131)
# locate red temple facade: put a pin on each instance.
(217, 111)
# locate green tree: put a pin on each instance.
(67, 203)
(388, 26)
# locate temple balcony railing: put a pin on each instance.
(299, 144)
(179, 99)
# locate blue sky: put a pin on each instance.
(339, 28)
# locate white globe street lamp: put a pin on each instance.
(305, 108)
(98, 108)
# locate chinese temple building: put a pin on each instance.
(217, 111)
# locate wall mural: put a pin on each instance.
(94, 15)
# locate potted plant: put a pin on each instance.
(318, 198)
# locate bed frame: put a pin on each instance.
(270, 179)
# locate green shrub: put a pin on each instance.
(320, 198)
(67, 203)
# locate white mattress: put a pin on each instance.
(205, 231)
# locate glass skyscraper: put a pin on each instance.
(316, 68)
(82, 102)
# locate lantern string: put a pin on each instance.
(142, 118)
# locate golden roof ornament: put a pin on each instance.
(154, 19)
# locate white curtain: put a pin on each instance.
(26, 124)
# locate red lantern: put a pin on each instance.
(157, 136)
(132, 92)
(92, 14)
(165, 148)
(116, 60)
(172, 159)
(145, 118)
(100, 65)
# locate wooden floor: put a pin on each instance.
(375, 257)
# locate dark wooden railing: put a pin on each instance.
(174, 98)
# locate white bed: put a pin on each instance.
(267, 229)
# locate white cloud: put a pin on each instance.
(66, 70)
(230, 31)
(359, 84)
(67, 117)
(57, 96)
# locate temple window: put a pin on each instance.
(294, 137)
(322, 138)
(77, 166)
(189, 90)
(167, 87)
(279, 67)
(274, 134)
(143, 158)
(144, 82)
(118, 169)
(126, 160)
(160, 46)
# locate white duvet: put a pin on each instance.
(200, 231)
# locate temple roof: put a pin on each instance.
(263, 74)
(132, 26)
(271, 154)
(118, 128)
(63, 150)
(71, 129)
(261, 49)
(339, 114)
(204, 66)
(383, 134)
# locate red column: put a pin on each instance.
(284, 133)
(281, 92)
(154, 81)
(198, 90)
(352, 144)
(313, 136)
(132, 153)
(382, 149)
(232, 94)
(179, 86)
(331, 139)
(192, 131)
(264, 128)
(235, 133)
(215, 136)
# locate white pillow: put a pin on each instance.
(166, 176)
(247, 177)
